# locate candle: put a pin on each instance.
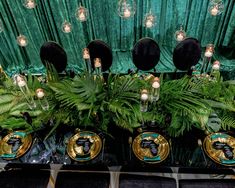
(180, 37)
(216, 65)
(82, 16)
(20, 81)
(214, 11)
(86, 54)
(67, 28)
(144, 100)
(149, 24)
(155, 85)
(127, 13)
(30, 4)
(97, 62)
(208, 53)
(40, 93)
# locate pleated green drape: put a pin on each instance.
(44, 24)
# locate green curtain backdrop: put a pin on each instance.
(44, 24)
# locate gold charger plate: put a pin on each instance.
(14, 145)
(76, 152)
(217, 155)
(144, 154)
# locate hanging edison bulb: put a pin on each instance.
(180, 35)
(209, 50)
(22, 40)
(30, 4)
(66, 27)
(149, 20)
(126, 8)
(81, 13)
(1, 26)
(216, 7)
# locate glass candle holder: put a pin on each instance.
(209, 50)
(144, 97)
(97, 65)
(86, 57)
(155, 92)
(21, 82)
(42, 99)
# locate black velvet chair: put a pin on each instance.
(142, 181)
(83, 177)
(207, 183)
(25, 176)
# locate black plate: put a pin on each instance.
(187, 54)
(53, 53)
(146, 54)
(99, 49)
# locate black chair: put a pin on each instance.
(99, 49)
(52, 53)
(83, 176)
(142, 181)
(187, 54)
(207, 183)
(25, 176)
(146, 54)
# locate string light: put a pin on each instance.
(30, 4)
(66, 27)
(22, 40)
(126, 8)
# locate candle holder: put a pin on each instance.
(86, 57)
(42, 99)
(66, 27)
(180, 35)
(155, 92)
(149, 20)
(22, 40)
(144, 97)
(97, 65)
(30, 4)
(216, 7)
(22, 84)
(126, 8)
(209, 50)
(215, 71)
(81, 13)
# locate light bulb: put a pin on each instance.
(216, 7)
(66, 27)
(30, 4)
(22, 40)
(180, 35)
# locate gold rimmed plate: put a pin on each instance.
(220, 148)
(150, 147)
(84, 146)
(15, 145)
